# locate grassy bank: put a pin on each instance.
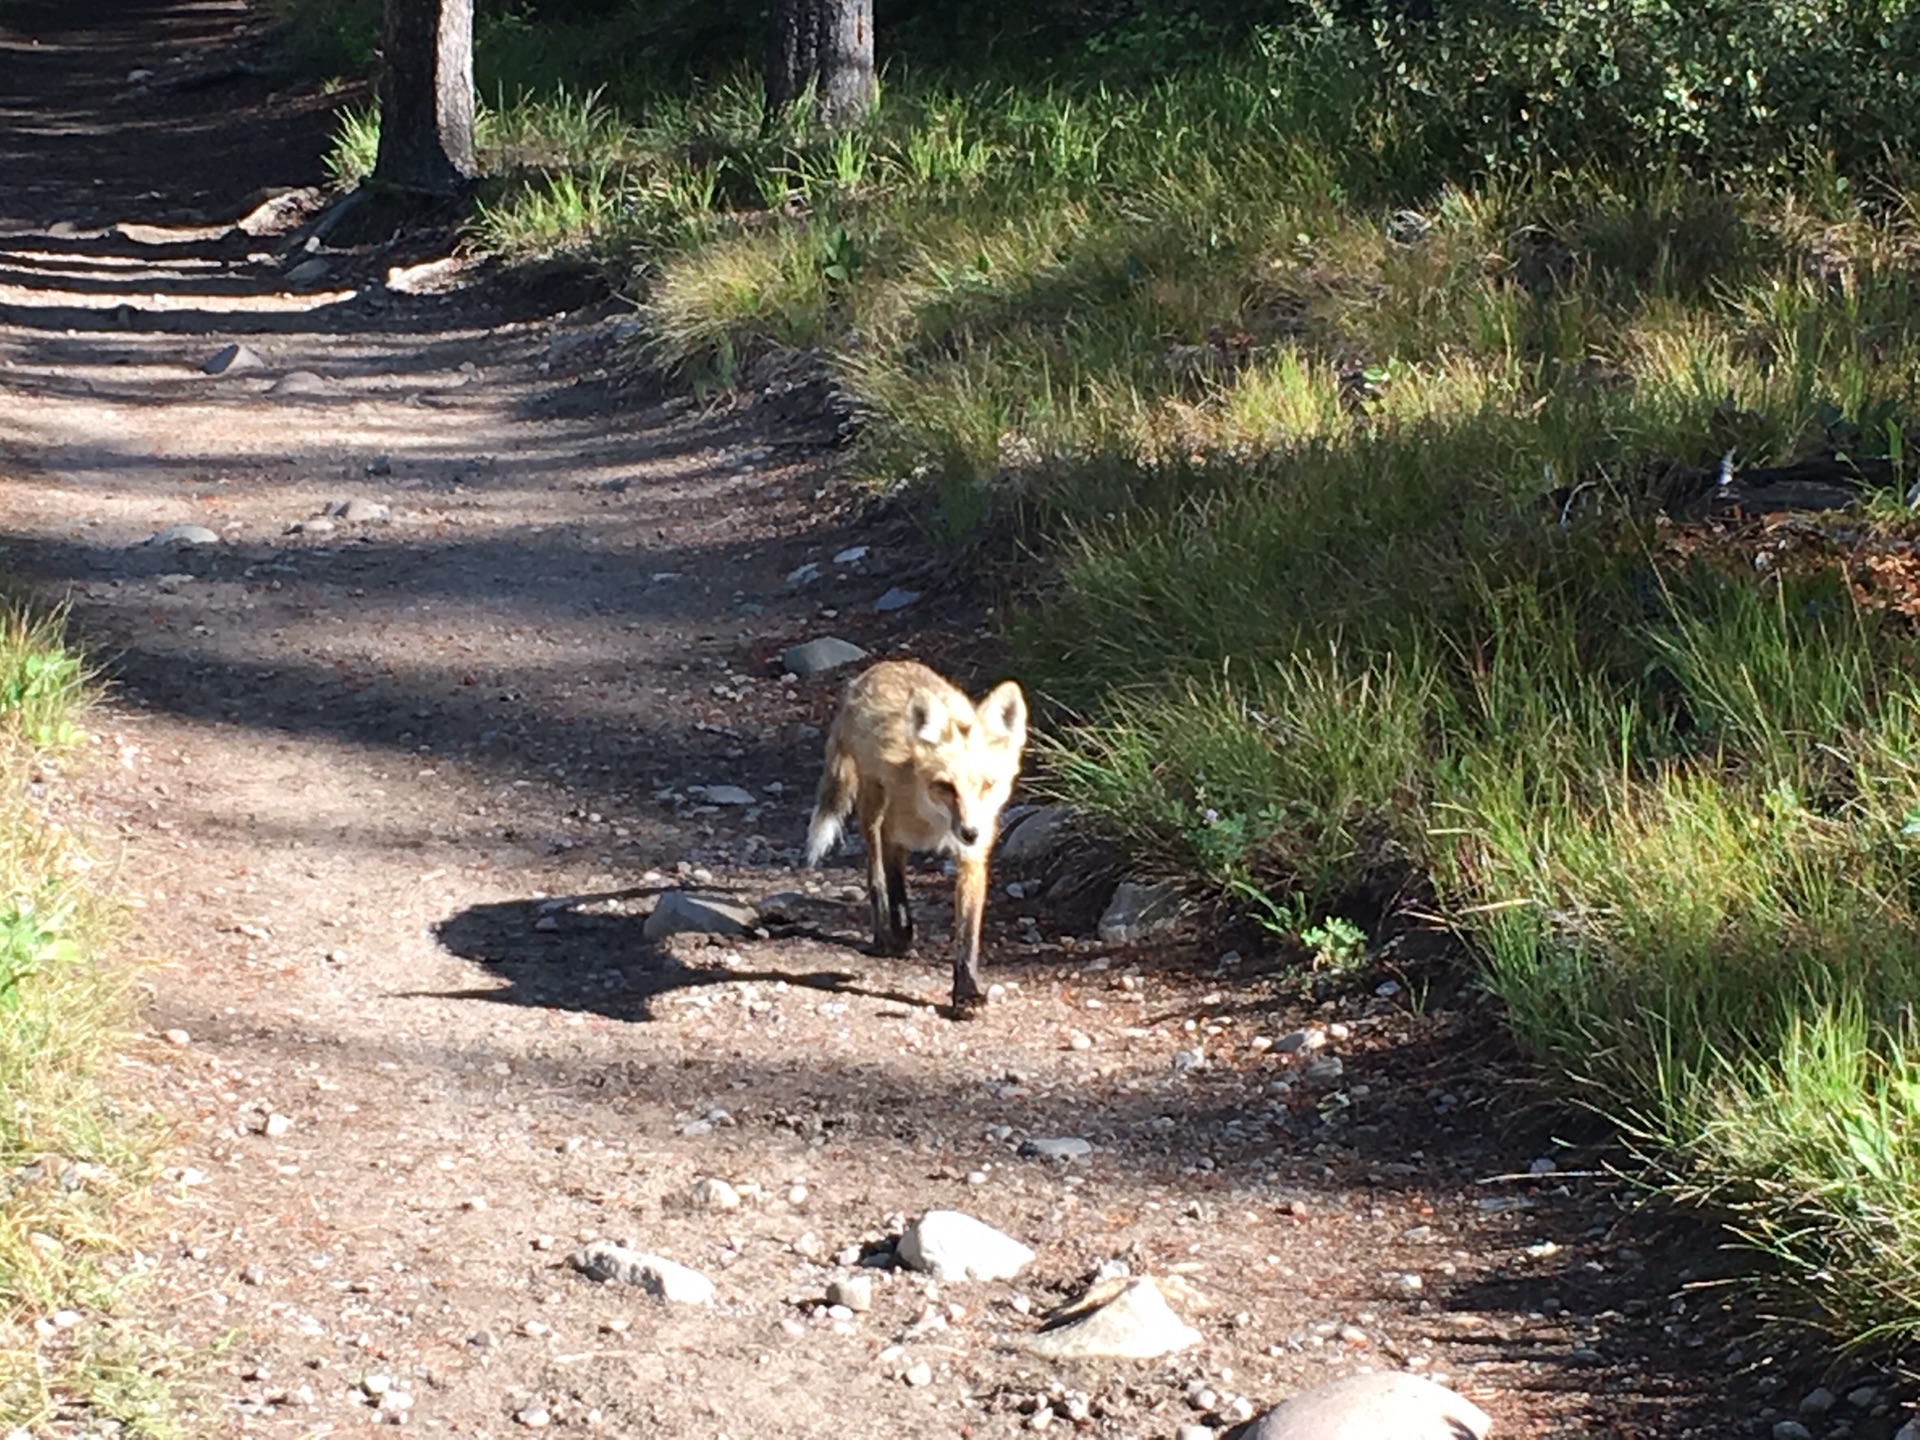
(1332, 378)
(72, 1157)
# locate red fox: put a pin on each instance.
(925, 769)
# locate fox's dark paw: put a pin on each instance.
(968, 1004)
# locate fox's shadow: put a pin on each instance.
(586, 952)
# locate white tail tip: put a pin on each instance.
(822, 836)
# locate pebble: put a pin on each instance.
(1191, 1431)
(722, 794)
(919, 1373)
(853, 1291)
(1323, 1069)
(896, 599)
(1863, 1397)
(1307, 1040)
(534, 1417)
(1818, 1401)
(852, 555)
(277, 1125)
(713, 1194)
(178, 1037)
(1790, 1430)
(376, 1385)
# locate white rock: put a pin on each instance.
(662, 1279)
(1127, 1319)
(713, 1194)
(951, 1246)
(1371, 1406)
(919, 1373)
(853, 1291)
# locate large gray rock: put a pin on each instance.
(951, 1246)
(684, 912)
(1128, 1319)
(1034, 837)
(663, 1279)
(1138, 911)
(1384, 1405)
(817, 657)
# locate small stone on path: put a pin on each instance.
(817, 657)
(713, 1194)
(663, 1279)
(684, 912)
(184, 535)
(1138, 911)
(896, 599)
(854, 1291)
(1069, 1147)
(951, 1246)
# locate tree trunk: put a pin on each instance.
(827, 44)
(426, 97)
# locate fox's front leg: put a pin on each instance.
(969, 910)
(886, 885)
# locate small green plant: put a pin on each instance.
(840, 257)
(1337, 944)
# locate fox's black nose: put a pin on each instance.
(967, 833)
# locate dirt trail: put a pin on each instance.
(395, 796)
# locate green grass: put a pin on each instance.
(1326, 380)
(73, 1157)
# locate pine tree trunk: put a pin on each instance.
(426, 97)
(827, 44)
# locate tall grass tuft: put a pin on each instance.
(73, 1157)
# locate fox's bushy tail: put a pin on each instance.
(838, 786)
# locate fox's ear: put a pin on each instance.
(927, 720)
(1004, 713)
